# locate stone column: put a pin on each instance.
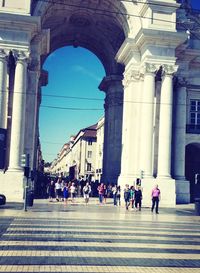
(112, 86)
(147, 118)
(180, 127)
(165, 123)
(130, 128)
(32, 112)
(3, 89)
(18, 113)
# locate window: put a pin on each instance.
(89, 142)
(195, 112)
(89, 154)
(89, 167)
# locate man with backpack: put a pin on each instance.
(86, 192)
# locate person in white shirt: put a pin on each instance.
(73, 191)
(86, 192)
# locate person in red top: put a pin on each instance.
(155, 194)
(101, 192)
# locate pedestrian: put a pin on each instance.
(155, 194)
(101, 192)
(73, 191)
(118, 195)
(65, 193)
(132, 197)
(127, 196)
(138, 197)
(51, 191)
(58, 190)
(86, 192)
(114, 193)
(105, 193)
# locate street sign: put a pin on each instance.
(25, 160)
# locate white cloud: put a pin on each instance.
(84, 71)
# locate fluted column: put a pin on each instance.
(165, 123)
(112, 86)
(130, 126)
(18, 113)
(180, 126)
(146, 144)
(3, 88)
(32, 112)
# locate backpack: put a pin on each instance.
(86, 190)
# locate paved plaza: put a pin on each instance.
(52, 237)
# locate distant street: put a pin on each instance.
(52, 237)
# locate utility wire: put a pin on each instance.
(93, 99)
(104, 11)
(70, 108)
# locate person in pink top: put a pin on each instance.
(155, 194)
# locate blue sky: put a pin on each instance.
(73, 72)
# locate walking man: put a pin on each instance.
(155, 198)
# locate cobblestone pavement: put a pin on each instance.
(53, 237)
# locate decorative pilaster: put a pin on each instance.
(146, 144)
(165, 123)
(179, 130)
(3, 89)
(112, 86)
(18, 113)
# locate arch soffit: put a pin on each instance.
(193, 145)
(89, 26)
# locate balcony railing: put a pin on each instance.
(193, 128)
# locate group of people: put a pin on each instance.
(62, 191)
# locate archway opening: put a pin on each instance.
(192, 166)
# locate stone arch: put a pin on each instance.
(97, 25)
(192, 165)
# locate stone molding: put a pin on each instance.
(109, 81)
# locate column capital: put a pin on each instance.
(169, 70)
(3, 54)
(109, 81)
(21, 56)
(150, 68)
(182, 82)
(132, 75)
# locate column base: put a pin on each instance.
(182, 191)
(126, 179)
(167, 188)
(11, 185)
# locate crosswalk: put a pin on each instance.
(106, 242)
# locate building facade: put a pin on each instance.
(150, 52)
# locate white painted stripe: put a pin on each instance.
(102, 269)
(113, 231)
(97, 254)
(101, 236)
(114, 227)
(98, 244)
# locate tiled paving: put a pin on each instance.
(52, 237)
